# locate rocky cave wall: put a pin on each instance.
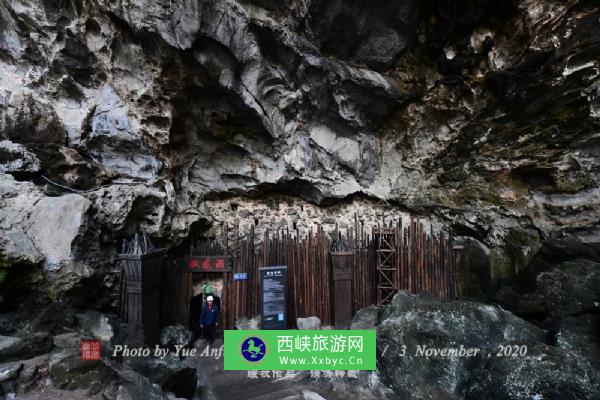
(239, 215)
(119, 115)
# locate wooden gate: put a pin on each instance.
(391, 257)
(140, 296)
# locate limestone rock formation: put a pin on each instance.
(412, 327)
(481, 116)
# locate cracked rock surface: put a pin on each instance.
(126, 115)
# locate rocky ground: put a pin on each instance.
(48, 366)
(539, 365)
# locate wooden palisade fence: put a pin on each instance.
(416, 259)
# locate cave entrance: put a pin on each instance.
(205, 284)
(373, 264)
(204, 276)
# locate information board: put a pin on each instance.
(273, 286)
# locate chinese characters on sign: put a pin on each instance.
(334, 344)
(274, 296)
(209, 264)
(254, 374)
(306, 350)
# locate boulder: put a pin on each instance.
(49, 318)
(546, 372)
(413, 330)
(69, 371)
(33, 373)
(581, 335)
(170, 373)
(248, 323)
(22, 348)
(569, 288)
(310, 323)
(140, 388)
(128, 334)
(174, 335)
(366, 318)
(68, 341)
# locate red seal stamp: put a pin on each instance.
(90, 349)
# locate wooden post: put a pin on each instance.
(342, 290)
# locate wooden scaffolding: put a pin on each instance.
(386, 266)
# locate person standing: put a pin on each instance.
(209, 319)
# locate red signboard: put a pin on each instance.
(90, 350)
(208, 264)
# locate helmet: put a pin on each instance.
(209, 298)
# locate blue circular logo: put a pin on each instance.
(253, 349)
